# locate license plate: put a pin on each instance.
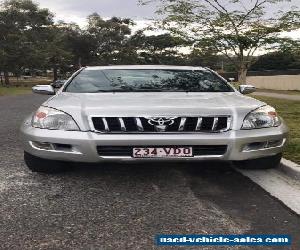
(162, 152)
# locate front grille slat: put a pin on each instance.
(122, 124)
(199, 124)
(204, 124)
(182, 124)
(215, 123)
(139, 124)
(106, 128)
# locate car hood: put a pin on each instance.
(80, 106)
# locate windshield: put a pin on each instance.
(142, 80)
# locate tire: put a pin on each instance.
(260, 163)
(36, 164)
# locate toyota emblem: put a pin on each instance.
(161, 123)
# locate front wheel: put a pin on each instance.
(260, 163)
(36, 164)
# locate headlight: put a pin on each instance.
(49, 118)
(264, 117)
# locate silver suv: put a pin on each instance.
(151, 113)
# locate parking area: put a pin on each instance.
(122, 206)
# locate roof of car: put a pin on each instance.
(170, 67)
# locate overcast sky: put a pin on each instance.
(77, 10)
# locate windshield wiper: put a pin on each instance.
(126, 90)
(147, 90)
(107, 91)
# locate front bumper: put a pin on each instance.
(84, 144)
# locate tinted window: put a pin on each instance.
(140, 80)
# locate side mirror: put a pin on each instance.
(58, 84)
(43, 89)
(247, 89)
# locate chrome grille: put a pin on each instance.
(206, 124)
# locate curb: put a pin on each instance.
(290, 168)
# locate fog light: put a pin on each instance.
(42, 145)
(62, 147)
(255, 146)
(263, 145)
(275, 143)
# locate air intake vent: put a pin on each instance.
(207, 124)
(198, 150)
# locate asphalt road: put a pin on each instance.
(114, 206)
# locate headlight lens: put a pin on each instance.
(49, 118)
(264, 117)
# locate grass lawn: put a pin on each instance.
(290, 112)
(14, 90)
(29, 82)
(286, 92)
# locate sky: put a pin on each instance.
(77, 10)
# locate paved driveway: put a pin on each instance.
(115, 206)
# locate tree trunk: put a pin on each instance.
(6, 78)
(242, 74)
(79, 63)
(55, 74)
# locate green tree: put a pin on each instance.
(205, 58)
(110, 38)
(21, 24)
(279, 60)
(235, 28)
(159, 49)
(56, 52)
(78, 42)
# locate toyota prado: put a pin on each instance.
(151, 113)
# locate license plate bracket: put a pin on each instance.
(162, 152)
